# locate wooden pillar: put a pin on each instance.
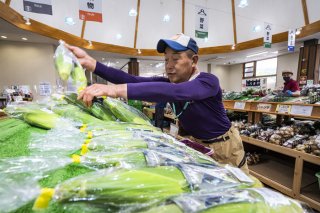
(133, 67)
(309, 60)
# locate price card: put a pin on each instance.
(301, 110)
(239, 105)
(283, 108)
(174, 129)
(264, 107)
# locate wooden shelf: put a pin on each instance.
(252, 107)
(274, 169)
(286, 178)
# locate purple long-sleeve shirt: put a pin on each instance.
(205, 116)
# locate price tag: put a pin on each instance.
(239, 105)
(301, 110)
(264, 107)
(90, 10)
(283, 108)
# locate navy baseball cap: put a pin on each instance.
(178, 42)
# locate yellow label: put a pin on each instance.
(84, 149)
(89, 135)
(83, 128)
(104, 97)
(86, 141)
(76, 158)
(80, 89)
(43, 199)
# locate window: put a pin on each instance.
(266, 67)
(262, 69)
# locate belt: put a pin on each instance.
(217, 140)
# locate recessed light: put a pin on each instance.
(139, 51)
(233, 47)
(243, 3)
(25, 39)
(257, 54)
(103, 59)
(4, 37)
(166, 18)
(119, 36)
(117, 62)
(133, 12)
(275, 52)
(298, 31)
(69, 21)
(256, 28)
(90, 43)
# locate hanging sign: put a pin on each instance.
(201, 28)
(38, 6)
(267, 39)
(90, 10)
(291, 40)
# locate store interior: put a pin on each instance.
(280, 132)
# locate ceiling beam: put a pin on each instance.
(8, 2)
(305, 12)
(137, 25)
(13, 17)
(183, 10)
(83, 28)
(234, 22)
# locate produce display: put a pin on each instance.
(70, 160)
(301, 135)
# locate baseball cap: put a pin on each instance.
(178, 42)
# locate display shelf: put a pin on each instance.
(290, 180)
(274, 169)
(271, 108)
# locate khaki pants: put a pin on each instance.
(230, 151)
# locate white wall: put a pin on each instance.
(222, 72)
(25, 63)
(202, 66)
(235, 77)
(287, 62)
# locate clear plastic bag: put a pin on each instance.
(68, 65)
(14, 194)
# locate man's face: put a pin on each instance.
(178, 66)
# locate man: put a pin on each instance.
(196, 96)
(291, 87)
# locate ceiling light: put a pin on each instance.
(151, 64)
(256, 28)
(90, 43)
(205, 39)
(275, 52)
(69, 21)
(298, 31)
(133, 12)
(119, 36)
(25, 39)
(243, 3)
(27, 20)
(233, 47)
(117, 62)
(4, 37)
(103, 59)
(139, 51)
(256, 54)
(166, 18)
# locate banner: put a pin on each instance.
(38, 6)
(90, 10)
(201, 28)
(291, 40)
(267, 39)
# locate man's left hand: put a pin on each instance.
(96, 90)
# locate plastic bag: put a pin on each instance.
(126, 113)
(68, 65)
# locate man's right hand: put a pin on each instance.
(85, 60)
